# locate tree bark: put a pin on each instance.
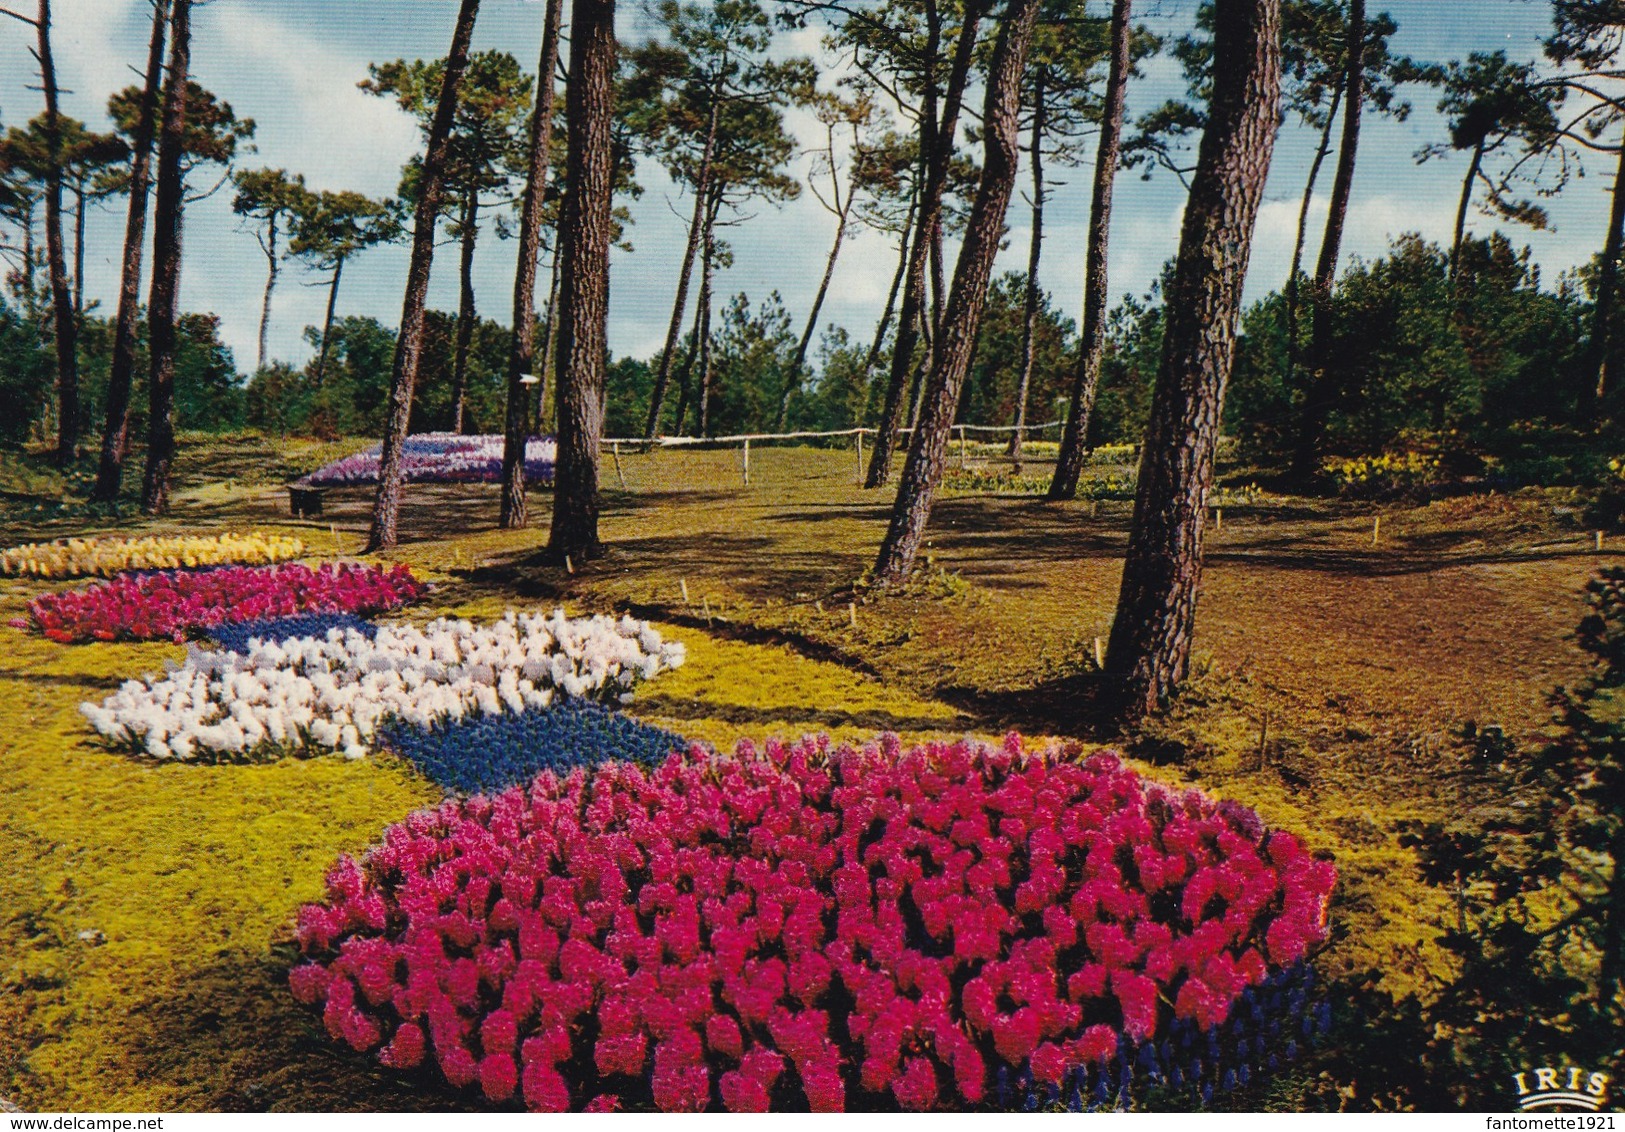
(521, 351)
(465, 308)
(1074, 441)
(409, 343)
(962, 317)
(271, 272)
(936, 148)
(1318, 404)
(327, 325)
(67, 336)
(1600, 353)
(702, 195)
(1029, 322)
(168, 206)
(1460, 233)
(1149, 652)
(121, 368)
(1291, 292)
(584, 283)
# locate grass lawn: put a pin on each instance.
(144, 926)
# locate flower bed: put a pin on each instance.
(442, 457)
(1370, 477)
(240, 636)
(806, 930)
(485, 753)
(104, 557)
(149, 607)
(333, 692)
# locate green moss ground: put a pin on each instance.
(145, 914)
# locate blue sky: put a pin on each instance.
(293, 66)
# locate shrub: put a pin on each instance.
(1375, 477)
(173, 603)
(801, 929)
(72, 558)
(332, 692)
(484, 753)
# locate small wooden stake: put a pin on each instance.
(1100, 655)
(1376, 530)
(683, 582)
(568, 565)
(747, 463)
(615, 450)
(1094, 507)
(705, 605)
(852, 613)
(1599, 542)
(1218, 518)
(818, 605)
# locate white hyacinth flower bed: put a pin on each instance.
(333, 692)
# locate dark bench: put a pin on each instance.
(305, 501)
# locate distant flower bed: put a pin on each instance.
(803, 929)
(171, 604)
(442, 457)
(239, 636)
(484, 753)
(104, 557)
(331, 693)
(1388, 474)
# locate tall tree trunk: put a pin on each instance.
(465, 308)
(1149, 652)
(521, 351)
(956, 340)
(67, 336)
(550, 344)
(409, 343)
(702, 197)
(1318, 403)
(78, 251)
(271, 270)
(327, 325)
(1460, 233)
(936, 149)
(1292, 288)
(1600, 352)
(1074, 441)
(1029, 321)
(168, 204)
(703, 330)
(121, 369)
(916, 385)
(794, 381)
(875, 347)
(584, 284)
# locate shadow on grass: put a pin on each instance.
(805, 719)
(231, 1037)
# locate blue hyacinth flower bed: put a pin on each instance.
(235, 637)
(1269, 1028)
(486, 753)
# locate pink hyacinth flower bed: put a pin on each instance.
(146, 607)
(805, 928)
(443, 457)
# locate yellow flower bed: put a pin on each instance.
(1367, 474)
(77, 557)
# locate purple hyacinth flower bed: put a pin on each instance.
(442, 457)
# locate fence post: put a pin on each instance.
(961, 446)
(615, 450)
(860, 455)
(747, 461)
